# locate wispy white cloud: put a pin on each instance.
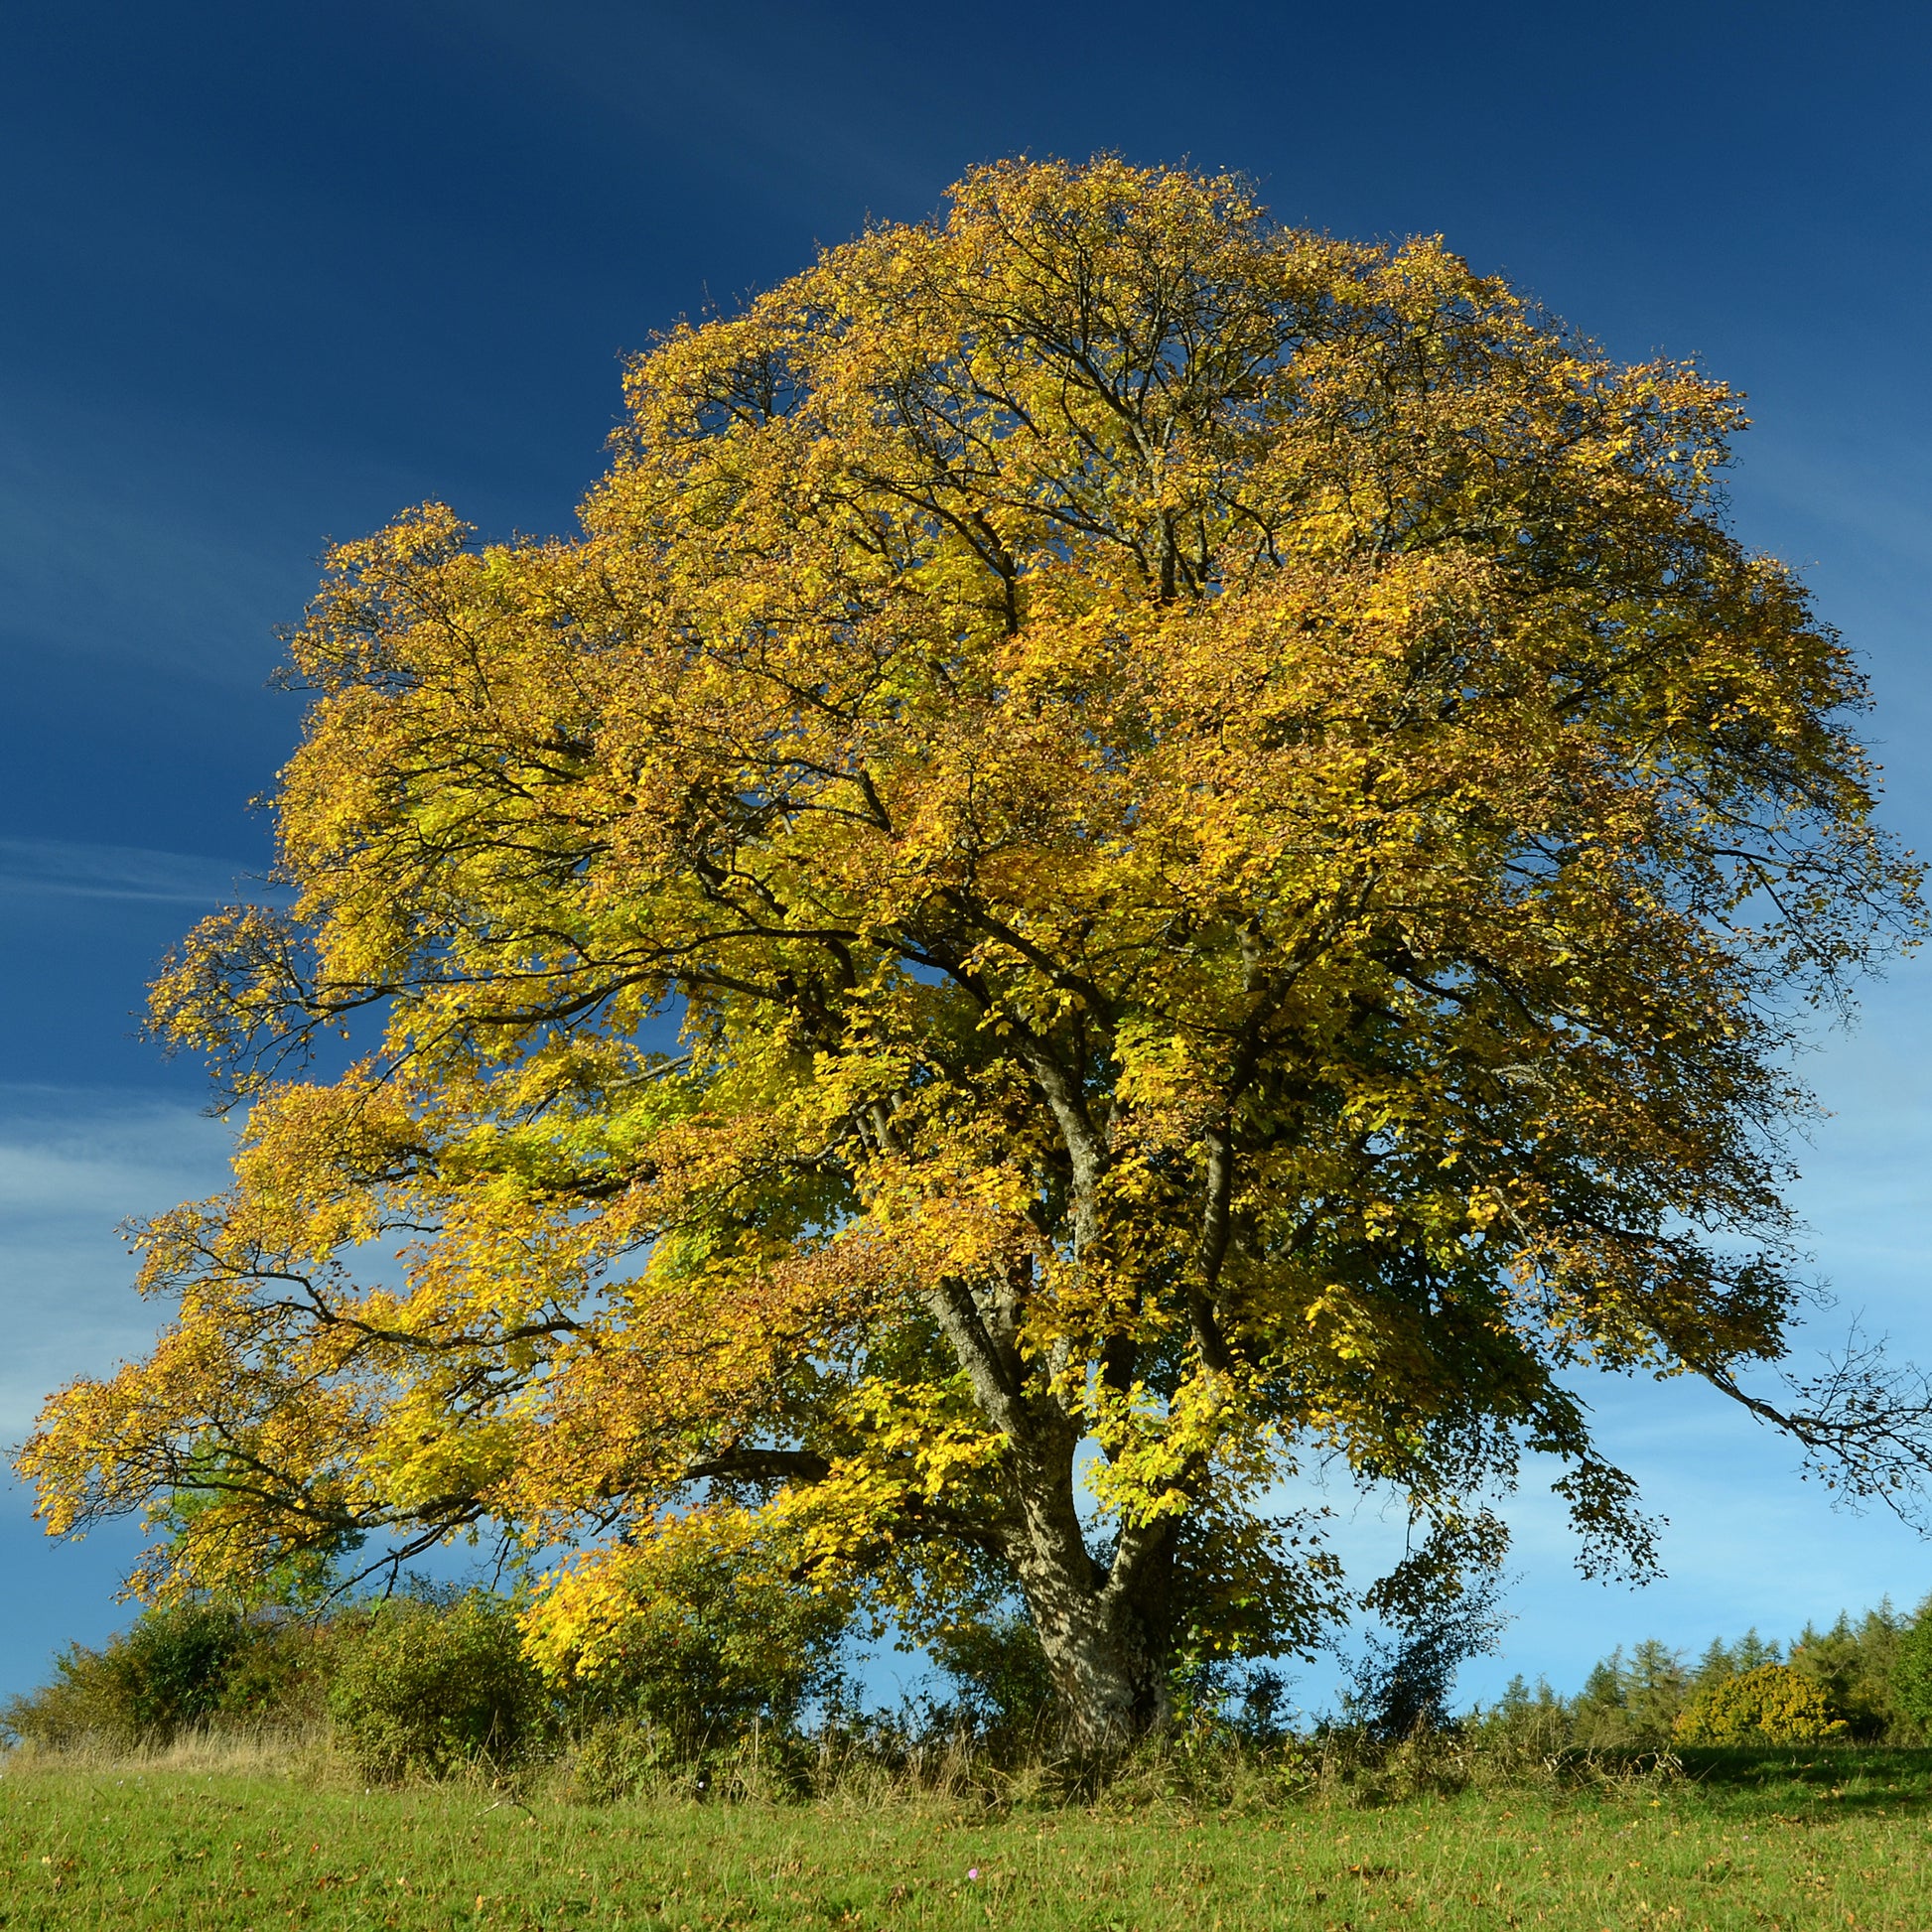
(77, 870)
(188, 549)
(73, 1167)
(180, 590)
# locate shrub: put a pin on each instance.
(1403, 1687)
(279, 1676)
(165, 1674)
(1772, 1705)
(1912, 1669)
(619, 1757)
(998, 1673)
(423, 1688)
(698, 1636)
(75, 1707)
(178, 1669)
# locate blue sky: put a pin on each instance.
(274, 272)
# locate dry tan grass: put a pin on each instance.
(254, 1751)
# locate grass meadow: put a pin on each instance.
(223, 1839)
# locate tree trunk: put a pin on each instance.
(1107, 1631)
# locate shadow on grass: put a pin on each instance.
(1861, 1777)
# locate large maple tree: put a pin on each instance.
(1134, 851)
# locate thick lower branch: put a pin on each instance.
(761, 1465)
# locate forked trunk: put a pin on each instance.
(1106, 1631)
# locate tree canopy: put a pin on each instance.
(1136, 852)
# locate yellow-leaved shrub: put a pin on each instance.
(1773, 1705)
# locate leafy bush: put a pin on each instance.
(1772, 1705)
(619, 1757)
(998, 1674)
(1912, 1669)
(424, 1688)
(174, 1669)
(84, 1703)
(698, 1636)
(1402, 1686)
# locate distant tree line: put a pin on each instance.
(1863, 1680)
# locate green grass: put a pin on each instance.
(1751, 1841)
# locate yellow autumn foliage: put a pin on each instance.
(1132, 845)
(1772, 1705)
